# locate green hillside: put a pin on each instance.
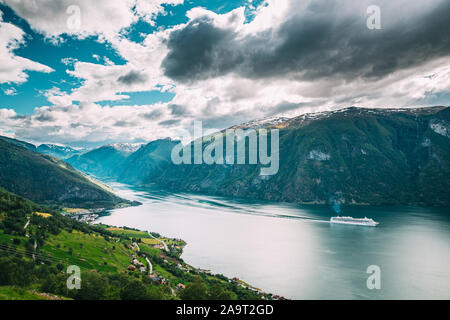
(37, 244)
(45, 179)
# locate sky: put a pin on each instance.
(85, 75)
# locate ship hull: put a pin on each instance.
(355, 222)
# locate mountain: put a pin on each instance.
(56, 151)
(45, 179)
(19, 143)
(148, 162)
(351, 156)
(103, 161)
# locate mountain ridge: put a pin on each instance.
(349, 156)
(46, 179)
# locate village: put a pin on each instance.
(157, 258)
(83, 215)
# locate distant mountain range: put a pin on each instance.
(61, 152)
(104, 161)
(349, 156)
(46, 179)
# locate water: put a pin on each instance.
(293, 251)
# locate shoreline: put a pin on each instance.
(91, 216)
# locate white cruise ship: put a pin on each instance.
(354, 221)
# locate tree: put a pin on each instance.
(195, 291)
(134, 290)
(93, 286)
(217, 292)
(59, 266)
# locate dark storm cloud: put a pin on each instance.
(177, 110)
(227, 120)
(124, 124)
(154, 115)
(287, 106)
(169, 123)
(132, 77)
(315, 45)
(199, 50)
(18, 117)
(44, 117)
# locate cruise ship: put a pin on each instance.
(354, 221)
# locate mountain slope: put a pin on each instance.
(359, 156)
(148, 162)
(104, 161)
(19, 143)
(59, 152)
(45, 179)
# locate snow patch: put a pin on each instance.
(318, 155)
(126, 147)
(441, 127)
(426, 143)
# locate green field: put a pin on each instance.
(90, 251)
(34, 260)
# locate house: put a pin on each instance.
(157, 279)
(142, 269)
(131, 267)
(181, 286)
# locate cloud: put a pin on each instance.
(169, 123)
(10, 91)
(81, 18)
(294, 57)
(89, 124)
(323, 40)
(132, 77)
(177, 110)
(154, 115)
(107, 82)
(13, 67)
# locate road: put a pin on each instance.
(163, 243)
(26, 224)
(150, 266)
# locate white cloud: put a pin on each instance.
(12, 67)
(83, 18)
(220, 101)
(148, 10)
(101, 82)
(10, 91)
(89, 123)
